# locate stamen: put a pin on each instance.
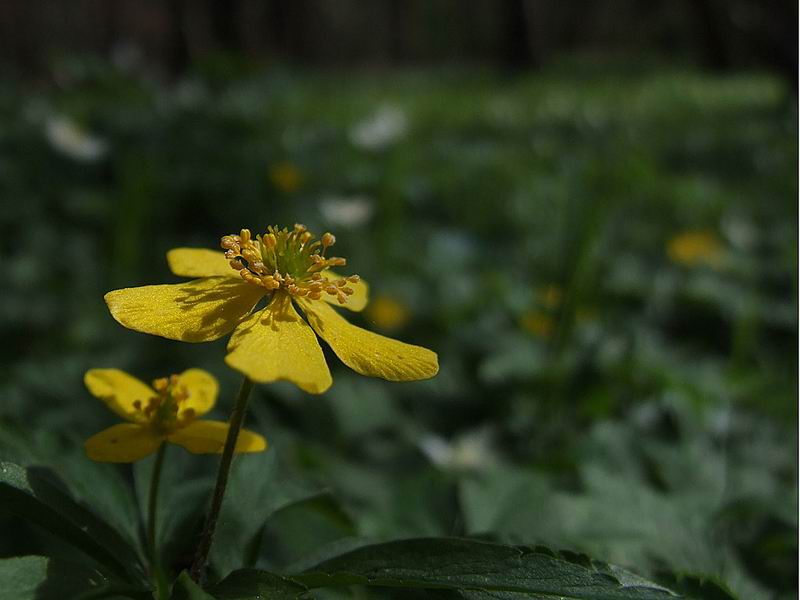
(293, 261)
(165, 411)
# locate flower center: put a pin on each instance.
(293, 261)
(164, 411)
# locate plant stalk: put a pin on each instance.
(162, 586)
(197, 571)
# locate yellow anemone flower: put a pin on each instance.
(286, 177)
(290, 270)
(538, 323)
(693, 248)
(387, 313)
(166, 412)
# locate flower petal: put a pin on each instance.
(199, 262)
(357, 301)
(124, 443)
(369, 353)
(200, 310)
(276, 343)
(119, 391)
(208, 437)
(202, 387)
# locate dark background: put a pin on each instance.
(511, 34)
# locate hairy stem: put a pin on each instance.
(198, 569)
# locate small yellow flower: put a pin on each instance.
(387, 313)
(166, 412)
(538, 323)
(286, 177)
(290, 270)
(551, 296)
(693, 248)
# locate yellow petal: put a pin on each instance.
(202, 387)
(276, 343)
(200, 310)
(199, 262)
(119, 391)
(369, 353)
(357, 301)
(208, 437)
(123, 443)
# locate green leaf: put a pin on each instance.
(696, 587)
(100, 486)
(248, 584)
(302, 528)
(33, 496)
(448, 563)
(42, 578)
(186, 589)
(256, 490)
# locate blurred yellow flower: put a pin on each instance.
(290, 270)
(537, 323)
(693, 248)
(166, 412)
(387, 313)
(286, 177)
(551, 295)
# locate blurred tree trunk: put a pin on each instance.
(710, 23)
(397, 30)
(517, 46)
(225, 15)
(177, 57)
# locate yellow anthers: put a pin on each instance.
(293, 261)
(163, 411)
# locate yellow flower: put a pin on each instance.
(286, 177)
(694, 248)
(290, 270)
(537, 323)
(551, 295)
(166, 412)
(387, 313)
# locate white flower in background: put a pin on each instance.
(343, 211)
(468, 451)
(740, 231)
(70, 139)
(381, 129)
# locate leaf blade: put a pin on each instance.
(461, 564)
(28, 494)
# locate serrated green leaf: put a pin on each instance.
(483, 595)
(43, 578)
(251, 584)
(31, 495)
(431, 563)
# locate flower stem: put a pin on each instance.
(162, 585)
(197, 571)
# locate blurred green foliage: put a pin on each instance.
(594, 394)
